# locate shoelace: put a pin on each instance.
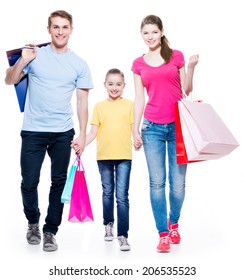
(48, 237)
(34, 230)
(174, 232)
(164, 240)
(123, 240)
(109, 229)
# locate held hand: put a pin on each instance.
(193, 60)
(78, 146)
(137, 143)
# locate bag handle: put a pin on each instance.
(191, 96)
(79, 164)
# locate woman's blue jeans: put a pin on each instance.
(160, 144)
(115, 178)
(33, 151)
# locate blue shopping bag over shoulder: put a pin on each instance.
(20, 88)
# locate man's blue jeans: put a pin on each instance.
(33, 151)
(159, 143)
(115, 177)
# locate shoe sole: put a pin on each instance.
(34, 242)
(174, 242)
(50, 249)
(160, 251)
(125, 249)
(108, 238)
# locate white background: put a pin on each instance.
(107, 34)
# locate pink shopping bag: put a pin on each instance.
(181, 155)
(205, 135)
(80, 206)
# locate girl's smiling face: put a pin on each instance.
(114, 85)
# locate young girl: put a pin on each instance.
(161, 71)
(111, 125)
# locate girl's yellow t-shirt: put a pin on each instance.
(114, 119)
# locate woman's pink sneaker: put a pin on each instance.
(174, 234)
(164, 243)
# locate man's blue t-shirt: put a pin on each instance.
(53, 78)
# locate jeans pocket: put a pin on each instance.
(146, 125)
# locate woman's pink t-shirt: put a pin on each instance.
(163, 87)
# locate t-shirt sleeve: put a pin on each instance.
(132, 113)
(84, 79)
(179, 58)
(95, 117)
(26, 69)
(135, 67)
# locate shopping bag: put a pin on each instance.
(66, 194)
(205, 135)
(21, 87)
(181, 155)
(80, 206)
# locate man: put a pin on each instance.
(54, 72)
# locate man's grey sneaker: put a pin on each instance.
(109, 236)
(49, 242)
(33, 235)
(123, 243)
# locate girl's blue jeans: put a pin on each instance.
(115, 177)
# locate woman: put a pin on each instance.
(161, 71)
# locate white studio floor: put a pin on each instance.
(211, 227)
